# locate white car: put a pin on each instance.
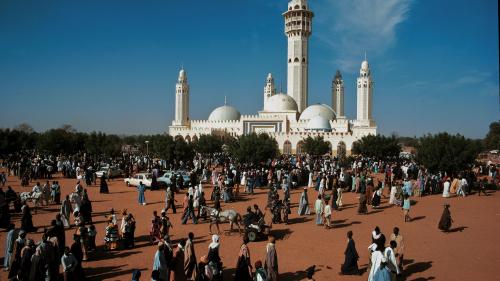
(110, 172)
(145, 178)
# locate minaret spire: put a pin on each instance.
(298, 28)
(181, 99)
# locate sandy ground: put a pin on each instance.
(469, 252)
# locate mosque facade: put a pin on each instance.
(287, 117)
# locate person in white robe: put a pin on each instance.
(446, 188)
(376, 259)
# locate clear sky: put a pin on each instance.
(112, 65)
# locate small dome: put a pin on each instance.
(224, 113)
(319, 123)
(279, 103)
(314, 110)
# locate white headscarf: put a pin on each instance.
(215, 242)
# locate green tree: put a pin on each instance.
(182, 150)
(492, 140)
(316, 146)
(162, 146)
(379, 147)
(253, 149)
(445, 152)
(61, 140)
(12, 141)
(208, 144)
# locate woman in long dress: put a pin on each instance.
(350, 265)
(304, 204)
(446, 220)
(362, 204)
(244, 265)
(104, 185)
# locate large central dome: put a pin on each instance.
(280, 103)
(314, 110)
(224, 113)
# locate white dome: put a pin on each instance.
(314, 110)
(319, 123)
(224, 113)
(280, 103)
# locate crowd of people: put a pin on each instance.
(327, 178)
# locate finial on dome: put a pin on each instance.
(365, 55)
(225, 100)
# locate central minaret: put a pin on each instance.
(298, 28)
(181, 100)
(364, 95)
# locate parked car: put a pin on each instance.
(165, 178)
(134, 180)
(110, 172)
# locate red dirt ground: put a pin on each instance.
(468, 253)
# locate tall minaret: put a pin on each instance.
(364, 97)
(298, 28)
(181, 100)
(269, 89)
(338, 95)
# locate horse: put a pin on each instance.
(217, 217)
(34, 197)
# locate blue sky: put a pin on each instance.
(112, 65)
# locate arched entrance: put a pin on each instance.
(341, 150)
(298, 149)
(287, 147)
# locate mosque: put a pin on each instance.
(287, 117)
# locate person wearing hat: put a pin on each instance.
(304, 204)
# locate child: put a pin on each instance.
(406, 207)
(327, 212)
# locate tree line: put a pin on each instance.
(438, 152)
